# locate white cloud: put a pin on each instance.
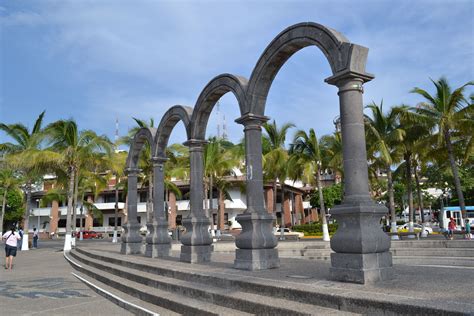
(139, 58)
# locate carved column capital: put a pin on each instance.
(342, 77)
(195, 144)
(130, 172)
(252, 121)
(158, 161)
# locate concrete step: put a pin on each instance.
(126, 282)
(127, 302)
(225, 297)
(232, 281)
(434, 261)
(426, 243)
(434, 252)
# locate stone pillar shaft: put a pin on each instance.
(353, 139)
(196, 180)
(132, 195)
(361, 247)
(158, 240)
(131, 239)
(197, 241)
(256, 243)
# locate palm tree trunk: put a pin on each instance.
(391, 201)
(2, 212)
(420, 203)
(419, 194)
(409, 192)
(275, 197)
(321, 206)
(282, 210)
(206, 198)
(454, 168)
(70, 194)
(26, 216)
(82, 215)
(74, 203)
(211, 204)
(220, 211)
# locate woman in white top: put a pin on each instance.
(11, 238)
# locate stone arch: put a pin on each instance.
(209, 96)
(131, 239)
(343, 57)
(143, 136)
(168, 122)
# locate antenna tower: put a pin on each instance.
(218, 114)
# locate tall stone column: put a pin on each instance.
(299, 208)
(286, 211)
(256, 243)
(196, 241)
(131, 239)
(269, 199)
(54, 215)
(172, 210)
(361, 247)
(158, 242)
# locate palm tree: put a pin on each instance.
(76, 148)
(275, 155)
(309, 149)
(218, 162)
(27, 157)
(116, 166)
(415, 131)
(384, 133)
(444, 110)
(331, 146)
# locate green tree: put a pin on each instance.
(8, 182)
(308, 148)
(384, 134)
(218, 163)
(76, 148)
(444, 110)
(15, 207)
(275, 156)
(27, 157)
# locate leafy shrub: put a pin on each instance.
(315, 229)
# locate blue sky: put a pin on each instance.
(96, 61)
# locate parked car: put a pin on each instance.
(89, 234)
(288, 232)
(417, 228)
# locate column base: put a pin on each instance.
(157, 250)
(256, 259)
(196, 254)
(131, 248)
(361, 268)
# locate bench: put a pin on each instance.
(400, 234)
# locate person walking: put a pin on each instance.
(468, 229)
(35, 238)
(11, 239)
(451, 228)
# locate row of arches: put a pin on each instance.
(256, 243)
